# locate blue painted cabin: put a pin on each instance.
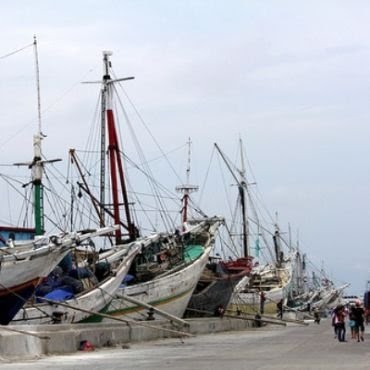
(15, 233)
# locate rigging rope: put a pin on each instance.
(15, 51)
(168, 223)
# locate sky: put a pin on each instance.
(291, 78)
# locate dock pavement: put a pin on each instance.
(267, 348)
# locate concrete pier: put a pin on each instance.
(65, 339)
(267, 348)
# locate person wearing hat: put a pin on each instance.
(358, 317)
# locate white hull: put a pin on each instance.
(248, 298)
(274, 296)
(328, 297)
(171, 293)
(35, 259)
(29, 266)
(251, 301)
(94, 299)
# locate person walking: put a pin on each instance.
(334, 322)
(339, 323)
(359, 317)
(279, 307)
(316, 315)
(262, 302)
(352, 323)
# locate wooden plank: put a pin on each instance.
(126, 321)
(24, 332)
(155, 309)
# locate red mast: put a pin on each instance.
(116, 167)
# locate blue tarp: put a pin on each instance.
(60, 295)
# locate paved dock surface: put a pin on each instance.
(298, 347)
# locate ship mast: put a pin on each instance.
(117, 175)
(242, 186)
(37, 164)
(186, 189)
(104, 93)
(37, 169)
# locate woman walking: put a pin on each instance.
(339, 323)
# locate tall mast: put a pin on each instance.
(114, 152)
(242, 185)
(277, 245)
(186, 189)
(243, 202)
(37, 164)
(37, 169)
(104, 93)
(117, 176)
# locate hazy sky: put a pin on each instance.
(290, 77)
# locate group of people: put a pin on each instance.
(356, 317)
